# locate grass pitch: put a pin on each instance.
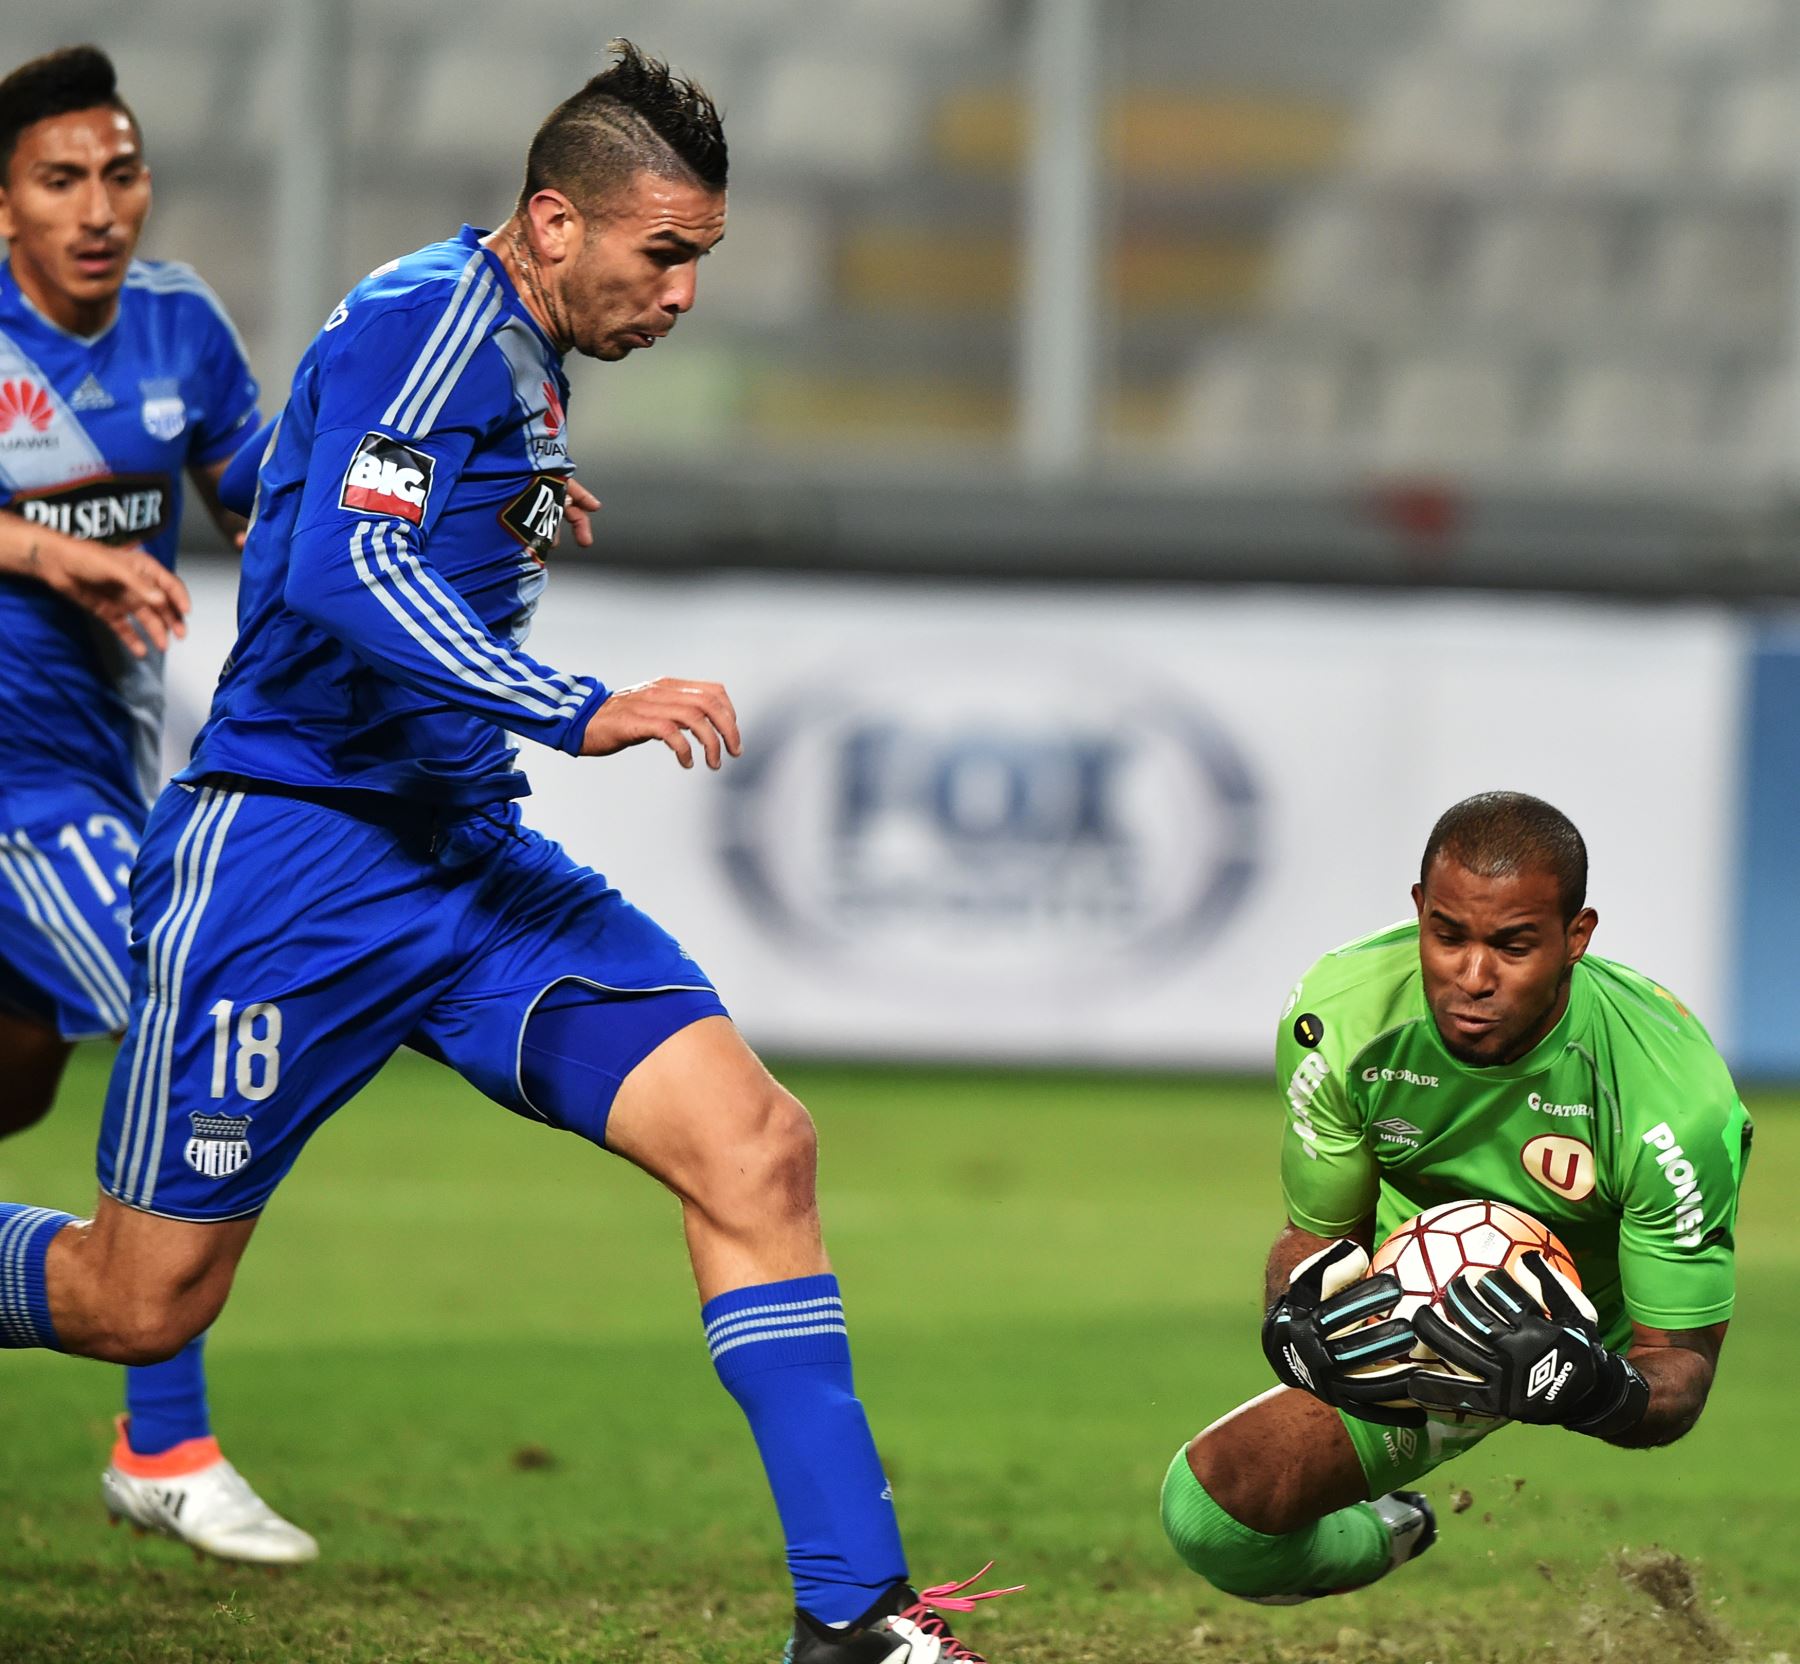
(464, 1351)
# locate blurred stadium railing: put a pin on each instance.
(1406, 290)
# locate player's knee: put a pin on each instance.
(769, 1169)
(145, 1332)
(1231, 1556)
(20, 1110)
(31, 1061)
(1254, 1491)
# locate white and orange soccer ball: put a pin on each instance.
(1469, 1238)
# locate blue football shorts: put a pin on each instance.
(65, 906)
(285, 946)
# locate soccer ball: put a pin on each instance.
(1442, 1243)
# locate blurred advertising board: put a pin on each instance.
(1113, 825)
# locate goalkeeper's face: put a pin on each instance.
(76, 195)
(1495, 953)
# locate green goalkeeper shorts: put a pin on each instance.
(1393, 1457)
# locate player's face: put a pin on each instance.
(76, 195)
(635, 271)
(1496, 955)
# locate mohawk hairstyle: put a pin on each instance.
(57, 84)
(1496, 834)
(634, 116)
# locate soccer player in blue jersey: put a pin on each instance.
(116, 377)
(342, 868)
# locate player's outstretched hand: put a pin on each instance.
(579, 508)
(668, 710)
(126, 589)
(1330, 1334)
(1529, 1359)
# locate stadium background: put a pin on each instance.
(1133, 462)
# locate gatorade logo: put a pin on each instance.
(387, 477)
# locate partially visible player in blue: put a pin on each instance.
(342, 870)
(117, 376)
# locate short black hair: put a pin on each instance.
(634, 116)
(1494, 834)
(57, 84)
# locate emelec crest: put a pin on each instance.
(220, 1145)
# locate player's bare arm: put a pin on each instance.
(205, 479)
(136, 597)
(669, 710)
(1680, 1365)
(1294, 1244)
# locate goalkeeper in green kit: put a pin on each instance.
(1477, 1052)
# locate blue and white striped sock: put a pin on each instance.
(783, 1352)
(25, 1238)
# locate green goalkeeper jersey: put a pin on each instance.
(1620, 1130)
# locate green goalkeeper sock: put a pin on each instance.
(1340, 1551)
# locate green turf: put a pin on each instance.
(464, 1351)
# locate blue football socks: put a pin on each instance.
(25, 1238)
(167, 1402)
(783, 1353)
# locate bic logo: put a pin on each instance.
(387, 477)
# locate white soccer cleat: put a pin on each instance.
(191, 1493)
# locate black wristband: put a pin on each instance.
(1623, 1409)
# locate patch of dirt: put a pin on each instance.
(1668, 1581)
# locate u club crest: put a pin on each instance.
(1560, 1163)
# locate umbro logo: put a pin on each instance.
(1546, 1378)
(1398, 1130)
(90, 395)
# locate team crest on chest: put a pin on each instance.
(220, 1145)
(1560, 1163)
(164, 409)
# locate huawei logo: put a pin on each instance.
(23, 398)
(554, 418)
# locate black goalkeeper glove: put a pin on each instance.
(1314, 1341)
(1526, 1365)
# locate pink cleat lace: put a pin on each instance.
(949, 1597)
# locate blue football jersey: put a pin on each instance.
(404, 509)
(94, 435)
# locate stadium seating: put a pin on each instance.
(1319, 243)
(1562, 241)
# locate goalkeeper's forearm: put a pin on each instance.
(1292, 1246)
(1680, 1373)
